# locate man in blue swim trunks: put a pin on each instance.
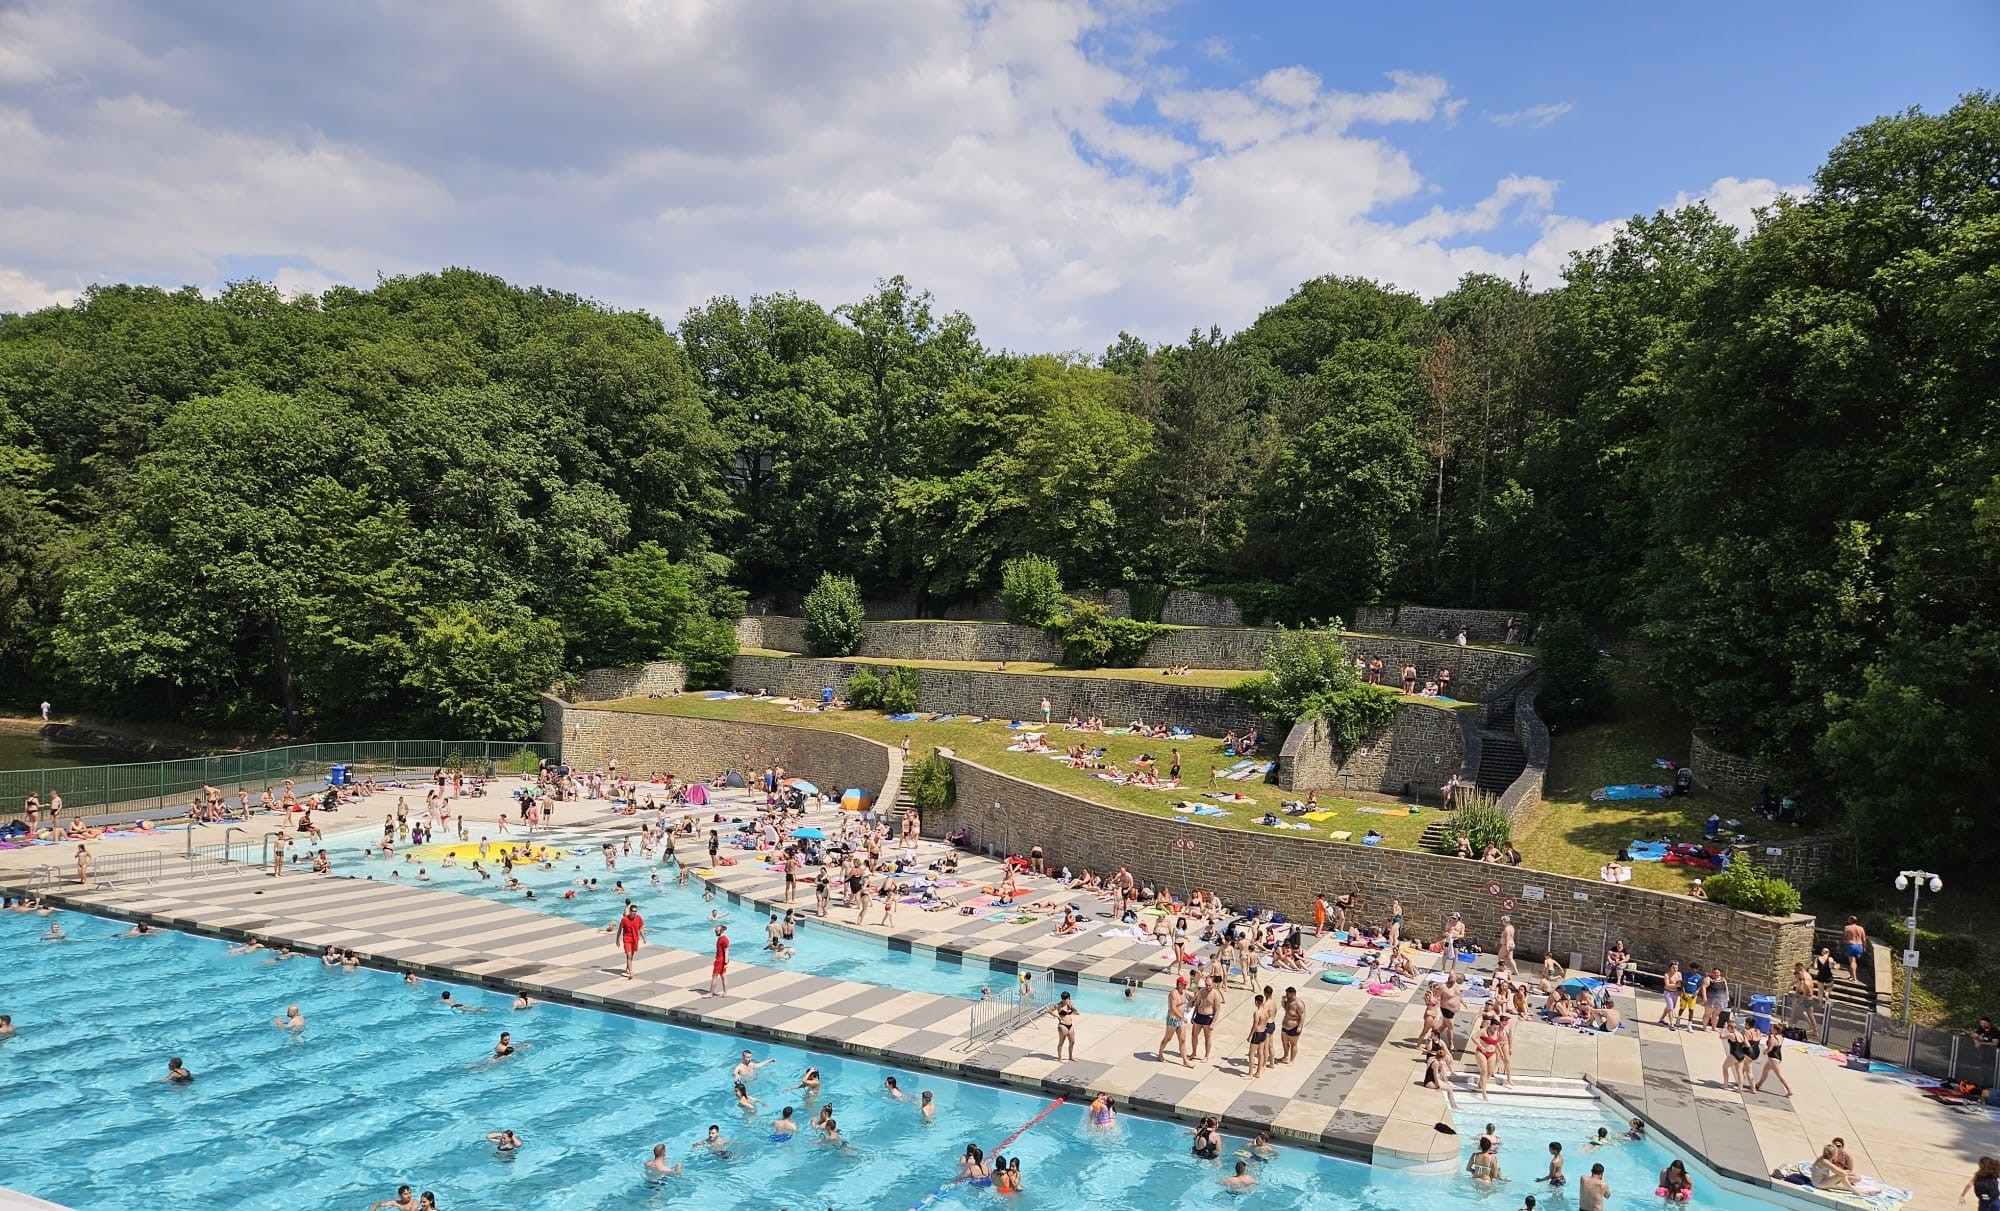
(1855, 942)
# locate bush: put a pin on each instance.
(834, 616)
(1574, 687)
(1298, 664)
(932, 784)
(1031, 590)
(899, 690)
(1480, 818)
(864, 691)
(1147, 600)
(1091, 638)
(1742, 885)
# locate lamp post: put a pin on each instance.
(1914, 882)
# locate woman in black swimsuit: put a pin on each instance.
(1207, 1141)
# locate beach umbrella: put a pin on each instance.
(1580, 984)
(810, 833)
(802, 786)
(853, 799)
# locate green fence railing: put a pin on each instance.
(165, 787)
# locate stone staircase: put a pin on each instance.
(1859, 994)
(1434, 835)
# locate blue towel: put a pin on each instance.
(1647, 851)
(1206, 810)
(1632, 791)
(911, 717)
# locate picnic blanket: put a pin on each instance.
(905, 717)
(1631, 790)
(1317, 816)
(1342, 835)
(1867, 1191)
(1647, 851)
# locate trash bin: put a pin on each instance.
(337, 776)
(1762, 1008)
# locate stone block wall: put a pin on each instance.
(1421, 747)
(1525, 791)
(1481, 626)
(1188, 608)
(1738, 779)
(646, 744)
(1801, 861)
(1209, 711)
(984, 641)
(1475, 672)
(660, 677)
(1282, 871)
(776, 632)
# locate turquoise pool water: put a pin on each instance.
(679, 916)
(384, 1086)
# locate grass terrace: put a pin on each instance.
(986, 743)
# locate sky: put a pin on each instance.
(1060, 170)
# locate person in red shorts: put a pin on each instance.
(631, 930)
(718, 982)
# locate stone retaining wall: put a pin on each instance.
(1801, 861)
(1188, 608)
(1735, 778)
(1209, 711)
(1481, 626)
(660, 677)
(1283, 871)
(1525, 791)
(1475, 672)
(645, 744)
(1210, 648)
(1422, 747)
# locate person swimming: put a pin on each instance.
(292, 1019)
(505, 1141)
(714, 1144)
(659, 1167)
(1101, 1113)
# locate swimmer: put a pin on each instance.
(810, 1083)
(139, 930)
(177, 1072)
(926, 1106)
(1636, 1131)
(55, 933)
(1601, 1140)
(1259, 1149)
(784, 1126)
(658, 1166)
(830, 1134)
(714, 1143)
(972, 1164)
(7, 1032)
(746, 1068)
(292, 1019)
(1241, 1180)
(892, 1091)
(504, 1141)
(743, 1098)
(1554, 1177)
(404, 1201)
(410, 978)
(505, 1047)
(1101, 1113)
(524, 1001)
(444, 999)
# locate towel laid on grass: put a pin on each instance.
(1630, 790)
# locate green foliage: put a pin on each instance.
(834, 616)
(1742, 885)
(1479, 817)
(932, 783)
(1093, 638)
(1031, 590)
(642, 606)
(1939, 949)
(1147, 600)
(1574, 686)
(1309, 674)
(481, 669)
(864, 691)
(900, 690)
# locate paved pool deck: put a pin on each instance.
(1353, 1091)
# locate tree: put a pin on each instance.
(834, 616)
(642, 606)
(479, 671)
(1574, 688)
(1031, 590)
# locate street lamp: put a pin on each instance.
(1914, 882)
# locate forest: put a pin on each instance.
(1767, 456)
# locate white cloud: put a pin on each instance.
(1737, 201)
(1024, 161)
(1534, 117)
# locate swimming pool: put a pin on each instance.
(679, 917)
(386, 1086)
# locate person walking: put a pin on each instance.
(45, 710)
(1045, 712)
(631, 930)
(718, 980)
(1177, 1023)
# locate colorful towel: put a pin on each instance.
(1867, 1191)
(1632, 790)
(906, 717)
(1316, 817)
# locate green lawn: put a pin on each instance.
(1216, 678)
(1573, 835)
(986, 743)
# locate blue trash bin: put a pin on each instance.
(1762, 1009)
(337, 776)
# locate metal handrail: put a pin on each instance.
(991, 1020)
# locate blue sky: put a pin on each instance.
(1059, 169)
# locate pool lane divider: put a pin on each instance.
(996, 1150)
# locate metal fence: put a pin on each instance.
(163, 788)
(991, 1020)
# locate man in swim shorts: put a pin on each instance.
(1208, 1000)
(1177, 1011)
(1292, 1023)
(1854, 943)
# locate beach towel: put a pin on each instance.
(1867, 1191)
(1372, 839)
(1230, 796)
(1342, 835)
(1630, 790)
(1317, 816)
(1016, 725)
(1203, 809)
(907, 717)
(1647, 851)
